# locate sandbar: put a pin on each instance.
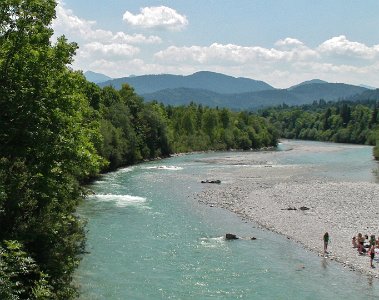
(260, 190)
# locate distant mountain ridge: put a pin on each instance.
(96, 77)
(205, 80)
(215, 89)
(302, 94)
(369, 94)
(308, 82)
(368, 86)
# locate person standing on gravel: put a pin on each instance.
(326, 241)
(372, 255)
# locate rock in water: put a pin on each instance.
(230, 236)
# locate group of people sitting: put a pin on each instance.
(364, 245)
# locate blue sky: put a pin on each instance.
(280, 42)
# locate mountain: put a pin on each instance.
(308, 82)
(366, 95)
(327, 91)
(368, 87)
(215, 89)
(240, 101)
(301, 94)
(184, 96)
(96, 77)
(203, 80)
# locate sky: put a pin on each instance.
(280, 42)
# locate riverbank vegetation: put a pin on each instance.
(58, 130)
(47, 137)
(340, 122)
(133, 130)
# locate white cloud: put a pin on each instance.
(136, 38)
(341, 46)
(134, 66)
(110, 49)
(289, 62)
(80, 29)
(96, 44)
(289, 42)
(157, 17)
(66, 22)
(233, 53)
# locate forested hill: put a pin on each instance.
(307, 82)
(366, 95)
(211, 81)
(326, 91)
(219, 90)
(96, 77)
(302, 94)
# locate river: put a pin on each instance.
(149, 238)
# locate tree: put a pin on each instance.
(154, 132)
(20, 277)
(374, 116)
(47, 144)
(345, 113)
(210, 122)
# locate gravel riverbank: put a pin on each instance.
(259, 190)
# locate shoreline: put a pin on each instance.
(259, 191)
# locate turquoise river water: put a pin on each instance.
(149, 238)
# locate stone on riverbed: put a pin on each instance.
(231, 236)
(211, 181)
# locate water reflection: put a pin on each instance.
(324, 263)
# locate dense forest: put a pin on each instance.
(47, 137)
(59, 130)
(132, 130)
(340, 122)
